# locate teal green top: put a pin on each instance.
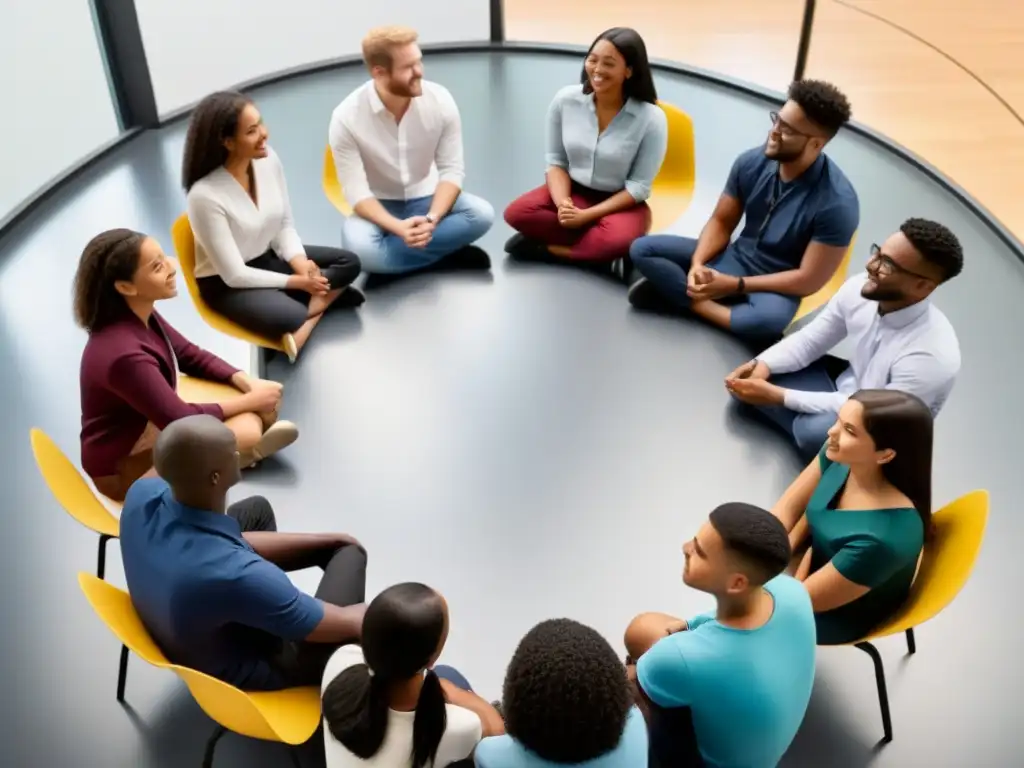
(876, 548)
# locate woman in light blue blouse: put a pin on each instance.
(606, 140)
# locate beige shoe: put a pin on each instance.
(278, 436)
(290, 348)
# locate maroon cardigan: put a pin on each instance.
(128, 378)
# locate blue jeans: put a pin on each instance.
(809, 431)
(665, 261)
(383, 253)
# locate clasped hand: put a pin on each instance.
(707, 284)
(308, 277)
(416, 231)
(571, 217)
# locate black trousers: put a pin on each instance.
(273, 312)
(673, 741)
(343, 583)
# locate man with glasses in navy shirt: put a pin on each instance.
(900, 340)
(800, 211)
(209, 581)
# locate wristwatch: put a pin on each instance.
(431, 218)
(741, 285)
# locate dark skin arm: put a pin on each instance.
(293, 551)
(639, 697)
(490, 721)
(339, 625)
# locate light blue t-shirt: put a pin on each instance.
(506, 752)
(747, 690)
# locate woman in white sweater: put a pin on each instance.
(251, 265)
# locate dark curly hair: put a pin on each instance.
(936, 244)
(757, 536)
(823, 103)
(402, 629)
(213, 120)
(566, 696)
(109, 257)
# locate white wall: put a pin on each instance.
(194, 47)
(55, 105)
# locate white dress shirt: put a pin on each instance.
(913, 350)
(375, 156)
(231, 230)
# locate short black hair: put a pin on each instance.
(757, 536)
(823, 103)
(566, 696)
(936, 244)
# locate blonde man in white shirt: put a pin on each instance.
(251, 265)
(901, 340)
(397, 145)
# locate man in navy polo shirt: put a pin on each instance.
(801, 213)
(209, 580)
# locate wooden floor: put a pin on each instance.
(901, 82)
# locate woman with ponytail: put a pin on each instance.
(386, 704)
(859, 514)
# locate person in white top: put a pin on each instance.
(397, 147)
(251, 266)
(386, 704)
(901, 340)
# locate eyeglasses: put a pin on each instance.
(785, 129)
(884, 266)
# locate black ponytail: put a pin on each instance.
(430, 723)
(355, 707)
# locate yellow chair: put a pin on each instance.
(332, 187)
(822, 296)
(290, 716)
(672, 189)
(73, 493)
(946, 564)
(185, 247)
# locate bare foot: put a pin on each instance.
(319, 304)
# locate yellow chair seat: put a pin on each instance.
(290, 716)
(332, 187)
(822, 296)
(946, 564)
(185, 247)
(672, 189)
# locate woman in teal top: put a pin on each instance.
(859, 513)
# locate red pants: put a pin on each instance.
(535, 216)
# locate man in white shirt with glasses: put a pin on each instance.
(901, 340)
(397, 146)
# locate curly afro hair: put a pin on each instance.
(823, 103)
(936, 244)
(566, 696)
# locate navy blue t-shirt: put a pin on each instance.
(207, 599)
(820, 205)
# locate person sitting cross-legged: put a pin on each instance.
(728, 688)
(800, 214)
(566, 701)
(209, 581)
(398, 155)
(606, 140)
(900, 341)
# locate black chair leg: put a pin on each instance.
(122, 673)
(911, 642)
(883, 694)
(211, 745)
(101, 557)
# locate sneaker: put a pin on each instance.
(644, 296)
(520, 248)
(350, 298)
(467, 257)
(278, 436)
(290, 347)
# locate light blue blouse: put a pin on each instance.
(627, 155)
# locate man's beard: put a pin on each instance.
(881, 293)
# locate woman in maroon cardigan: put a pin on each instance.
(131, 363)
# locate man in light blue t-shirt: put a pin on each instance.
(740, 677)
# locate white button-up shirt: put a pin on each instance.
(914, 349)
(377, 156)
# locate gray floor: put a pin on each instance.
(523, 442)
